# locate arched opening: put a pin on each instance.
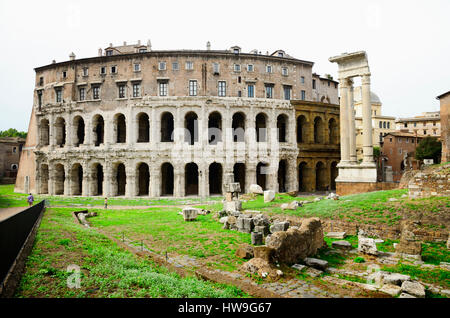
(76, 177)
(318, 130)
(78, 124)
(262, 169)
(60, 178)
(143, 179)
(97, 176)
(320, 177)
(238, 125)
(214, 128)
(239, 175)
(282, 170)
(191, 128)
(143, 128)
(120, 127)
(260, 124)
(334, 173)
(167, 127)
(215, 178)
(282, 128)
(191, 179)
(302, 171)
(402, 166)
(167, 179)
(121, 179)
(44, 179)
(301, 129)
(98, 130)
(333, 131)
(44, 133)
(60, 132)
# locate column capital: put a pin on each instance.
(343, 82)
(365, 79)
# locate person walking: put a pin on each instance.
(106, 203)
(30, 200)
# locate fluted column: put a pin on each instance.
(178, 187)
(87, 180)
(345, 154)
(351, 122)
(155, 181)
(367, 120)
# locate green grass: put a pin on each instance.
(163, 229)
(434, 253)
(107, 269)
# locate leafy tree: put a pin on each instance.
(12, 132)
(429, 148)
(376, 152)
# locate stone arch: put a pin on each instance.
(302, 129)
(318, 130)
(261, 127)
(44, 129)
(79, 131)
(120, 179)
(120, 128)
(97, 179)
(60, 178)
(143, 179)
(333, 131)
(302, 176)
(282, 175)
(214, 128)
(282, 127)
(333, 174)
(167, 126)
(98, 129)
(143, 127)
(167, 179)
(215, 178)
(261, 174)
(60, 132)
(238, 126)
(44, 174)
(76, 179)
(191, 179)
(321, 178)
(191, 128)
(239, 175)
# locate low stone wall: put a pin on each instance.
(433, 181)
(345, 188)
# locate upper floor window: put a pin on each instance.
(14, 150)
(41, 81)
(269, 90)
(142, 50)
(109, 52)
(103, 70)
(122, 91)
(136, 89)
(251, 90)
(302, 79)
(59, 95)
(415, 124)
(314, 84)
(380, 124)
(216, 68)
(303, 95)
(424, 132)
(96, 92)
(384, 124)
(406, 125)
(222, 88)
(287, 92)
(137, 67)
(269, 68)
(189, 65)
(113, 69)
(162, 66)
(284, 71)
(163, 86)
(250, 68)
(388, 125)
(82, 93)
(237, 67)
(39, 95)
(192, 88)
(85, 71)
(175, 66)
(64, 74)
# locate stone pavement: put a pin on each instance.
(7, 212)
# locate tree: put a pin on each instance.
(12, 132)
(429, 148)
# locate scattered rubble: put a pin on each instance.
(316, 263)
(408, 245)
(332, 196)
(269, 196)
(367, 246)
(189, 213)
(343, 245)
(279, 226)
(336, 235)
(413, 288)
(245, 252)
(256, 189)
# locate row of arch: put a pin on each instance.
(167, 126)
(98, 179)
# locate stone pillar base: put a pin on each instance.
(346, 188)
(357, 173)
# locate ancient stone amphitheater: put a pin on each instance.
(133, 121)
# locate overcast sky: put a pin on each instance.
(407, 42)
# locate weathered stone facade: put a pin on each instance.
(175, 123)
(430, 182)
(445, 125)
(10, 150)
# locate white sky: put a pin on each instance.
(407, 42)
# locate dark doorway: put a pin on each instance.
(191, 179)
(191, 128)
(215, 178)
(282, 128)
(239, 175)
(302, 170)
(99, 173)
(261, 174)
(282, 169)
(99, 127)
(167, 179)
(121, 128)
(261, 134)
(144, 179)
(121, 178)
(238, 126)
(167, 127)
(144, 128)
(214, 128)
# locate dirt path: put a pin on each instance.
(7, 212)
(125, 207)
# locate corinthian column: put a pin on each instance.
(343, 88)
(367, 120)
(351, 123)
